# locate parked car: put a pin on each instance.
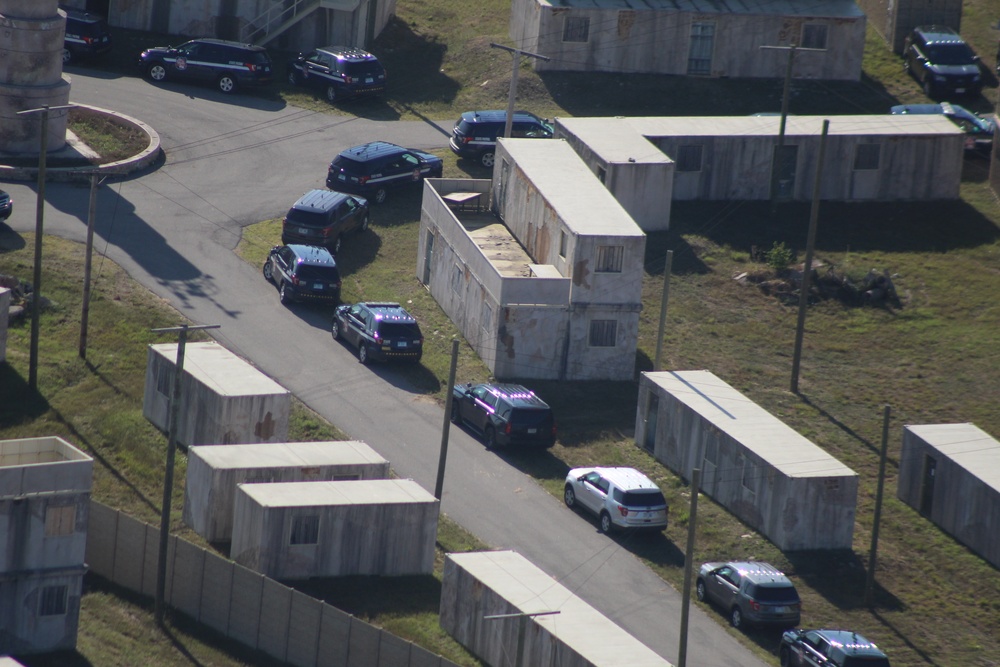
(752, 593)
(942, 62)
(86, 35)
(341, 72)
(323, 217)
(227, 65)
(620, 498)
(979, 131)
(379, 331)
(372, 169)
(303, 273)
(6, 205)
(829, 648)
(505, 414)
(475, 133)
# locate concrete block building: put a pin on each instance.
(950, 473)
(44, 500)
(765, 473)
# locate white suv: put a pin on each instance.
(619, 497)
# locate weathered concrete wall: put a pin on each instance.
(31, 44)
(367, 527)
(776, 481)
(655, 37)
(950, 473)
(894, 19)
(213, 473)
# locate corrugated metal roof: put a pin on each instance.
(221, 370)
(818, 8)
(748, 423)
(967, 445)
(324, 494)
(283, 454)
(594, 636)
(571, 189)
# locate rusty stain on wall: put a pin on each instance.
(581, 271)
(626, 19)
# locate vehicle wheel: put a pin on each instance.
(284, 294)
(490, 437)
(335, 246)
(736, 617)
(569, 496)
(699, 590)
(486, 159)
(456, 412)
(928, 88)
(268, 271)
(363, 353)
(157, 72)
(67, 56)
(785, 657)
(380, 196)
(335, 328)
(294, 78)
(364, 224)
(227, 84)
(331, 94)
(606, 525)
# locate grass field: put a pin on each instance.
(932, 358)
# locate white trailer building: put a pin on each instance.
(213, 473)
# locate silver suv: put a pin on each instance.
(620, 497)
(752, 593)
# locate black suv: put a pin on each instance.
(227, 65)
(506, 414)
(379, 331)
(475, 133)
(303, 273)
(322, 217)
(829, 648)
(750, 592)
(341, 72)
(86, 35)
(6, 205)
(942, 62)
(371, 169)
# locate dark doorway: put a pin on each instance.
(99, 7)
(927, 489)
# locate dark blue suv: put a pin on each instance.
(227, 65)
(371, 170)
(340, 72)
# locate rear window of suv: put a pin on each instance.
(398, 330)
(478, 129)
(363, 67)
(651, 498)
(774, 593)
(311, 272)
(349, 166)
(306, 218)
(527, 417)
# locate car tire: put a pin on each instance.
(785, 657)
(736, 618)
(335, 328)
(364, 224)
(227, 84)
(928, 88)
(363, 353)
(487, 159)
(490, 437)
(456, 412)
(699, 590)
(268, 271)
(606, 524)
(294, 78)
(156, 72)
(284, 294)
(67, 56)
(569, 496)
(331, 94)
(380, 196)
(335, 246)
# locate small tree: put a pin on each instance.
(779, 257)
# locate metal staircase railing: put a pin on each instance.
(275, 20)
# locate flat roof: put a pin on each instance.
(754, 427)
(35, 451)
(969, 446)
(222, 371)
(327, 494)
(571, 189)
(285, 454)
(818, 8)
(614, 139)
(581, 627)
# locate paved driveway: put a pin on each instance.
(234, 161)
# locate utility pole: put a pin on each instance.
(807, 267)
(446, 428)
(778, 161)
(668, 267)
(512, 95)
(87, 261)
(521, 627)
(873, 553)
(688, 565)
(168, 479)
(36, 287)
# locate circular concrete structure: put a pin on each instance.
(31, 45)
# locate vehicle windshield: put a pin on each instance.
(649, 498)
(951, 54)
(328, 274)
(776, 594)
(306, 218)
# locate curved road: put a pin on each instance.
(232, 161)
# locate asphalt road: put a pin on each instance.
(233, 161)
